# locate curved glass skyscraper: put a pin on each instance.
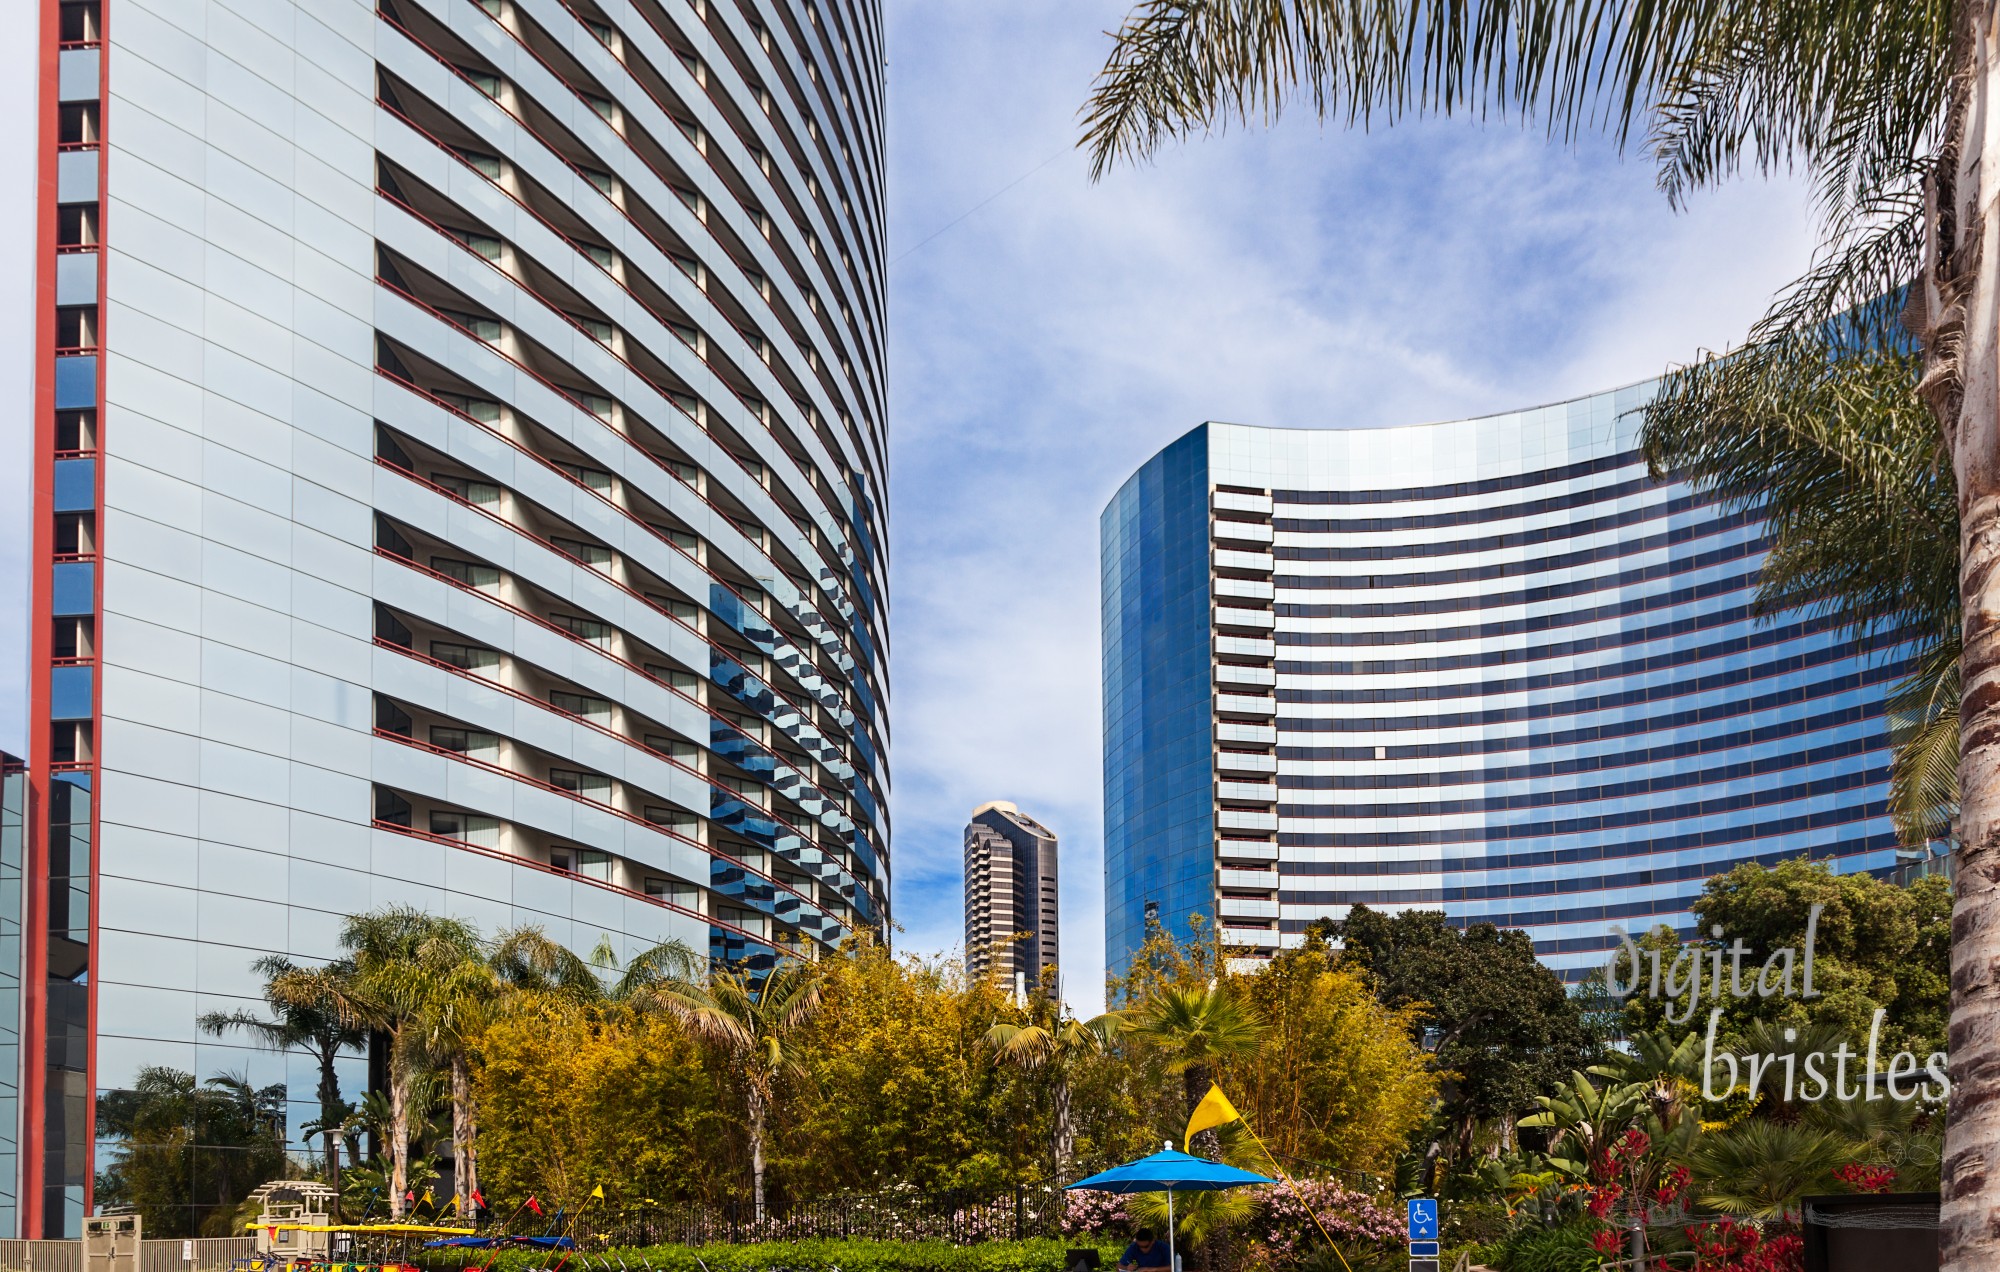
(1487, 666)
(460, 468)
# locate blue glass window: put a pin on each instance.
(75, 589)
(76, 485)
(69, 693)
(76, 383)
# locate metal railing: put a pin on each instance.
(165, 1254)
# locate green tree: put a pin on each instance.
(573, 1096)
(1339, 1080)
(899, 1084)
(188, 1153)
(1051, 1042)
(316, 1028)
(1498, 1022)
(755, 1023)
(1876, 945)
(1885, 105)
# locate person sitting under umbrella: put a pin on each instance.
(1144, 1252)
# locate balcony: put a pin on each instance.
(1243, 589)
(1240, 819)
(1236, 559)
(1259, 620)
(1248, 792)
(1248, 734)
(1245, 850)
(1250, 938)
(1247, 879)
(1245, 647)
(1235, 501)
(1246, 762)
(1245, 704)
(1236, 674)
(1238, 532)
(1247, 908)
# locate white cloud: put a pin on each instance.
(1050, 343)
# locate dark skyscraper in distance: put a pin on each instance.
(1010, 894)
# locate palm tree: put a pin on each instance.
(316, 1028)
(383, 985)
(454, 992)
(1889, 107)
(754, 1022)
(1052, 1042)
(1193, 1030)
(1761, 1168)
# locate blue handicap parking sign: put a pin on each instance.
(1423, 1218)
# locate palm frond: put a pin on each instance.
(1770, 82)
(1837, 457)
(1923, 724)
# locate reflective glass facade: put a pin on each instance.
(1487, 666)
(460, 459)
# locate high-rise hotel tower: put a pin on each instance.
(459, 445)
(1487, 667)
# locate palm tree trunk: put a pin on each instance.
(1065, 1143)
(329, 1106)
(1957, 315)
(755, 1100)
(399, 1141)
(462, 1131)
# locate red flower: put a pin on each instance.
(1866, 1179)
(1605, 1242)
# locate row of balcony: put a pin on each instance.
(1245, 680)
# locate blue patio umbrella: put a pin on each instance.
(1170, 1172)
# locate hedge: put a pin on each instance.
(1036, 1254)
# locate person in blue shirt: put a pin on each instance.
(1144, 1252)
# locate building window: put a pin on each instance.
(589, 629)
(483, 832)
(473, 742)
(470, 573)
(582, 782)
(470, 657)
(580, 704)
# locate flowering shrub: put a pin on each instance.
(1729, 1246)
(1866, 1179)
(1087, 1213)
(1285, 1220)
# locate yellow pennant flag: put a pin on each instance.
(1214, 1110)
(598, 1192)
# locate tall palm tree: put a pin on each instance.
(1052, 1041)
(314, 1027)
(454, 991)
(1891, 108)
(380, 985)
(1194, 1029)
(755, 1022)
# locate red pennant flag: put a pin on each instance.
(534, 1205)
(478, 1200)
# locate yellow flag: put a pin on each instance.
(598, 1192)
(428, 1199)
(1214, 1110)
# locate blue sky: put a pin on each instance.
(1046, 344)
